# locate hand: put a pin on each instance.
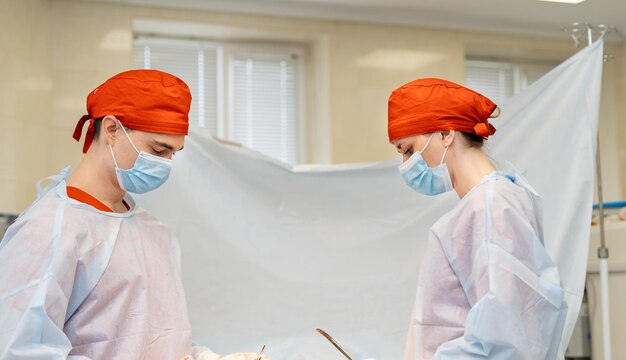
(243, 356)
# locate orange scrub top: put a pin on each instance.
(79, 195)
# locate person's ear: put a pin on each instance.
(109, 129)
(447, 137)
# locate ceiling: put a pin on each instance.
(510, 16)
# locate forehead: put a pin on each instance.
(404, 141)
(174, 141)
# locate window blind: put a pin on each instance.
(264, 105)
(492, 79)
(499, 80)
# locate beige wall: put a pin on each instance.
(52, 53)
(367, 63)
(24, 98)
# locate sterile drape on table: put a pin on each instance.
(270, 252)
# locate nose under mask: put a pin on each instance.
(148, 173)
(423, 179)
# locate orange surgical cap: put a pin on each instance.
(145, 100)
(427, 105)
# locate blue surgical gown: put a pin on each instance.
(487, 288)
(80, 283)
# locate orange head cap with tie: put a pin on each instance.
(144, 100)
(428, 105)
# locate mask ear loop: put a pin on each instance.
(129, 140)
(427, 143)
(128, 137)
(113, 155)
(444, 154)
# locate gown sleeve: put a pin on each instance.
(37, 274)
(517, 308)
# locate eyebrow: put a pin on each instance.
(167, 146)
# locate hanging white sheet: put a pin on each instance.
(271, 252)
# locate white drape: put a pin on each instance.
(270, 252)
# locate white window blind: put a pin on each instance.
(499, 80)
(264, 106)
(255, 105)
(492, 79)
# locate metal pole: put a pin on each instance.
(576, 31)
(603, 251)
(603, 259)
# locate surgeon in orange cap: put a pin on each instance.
(487, 287)
(84, 272)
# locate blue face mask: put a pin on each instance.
(423, 179)
(148, 173)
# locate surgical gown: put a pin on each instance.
(487, 288)
(79, 283)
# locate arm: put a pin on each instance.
(517, 314)
(36, 279)
(517, 307)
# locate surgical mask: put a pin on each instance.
(148, 173)
(423, 179)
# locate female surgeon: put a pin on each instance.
(487, 288)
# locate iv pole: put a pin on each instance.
(577, 30)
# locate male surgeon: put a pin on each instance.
(84, 272)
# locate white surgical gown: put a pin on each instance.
(85, 284)
(487, 288)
